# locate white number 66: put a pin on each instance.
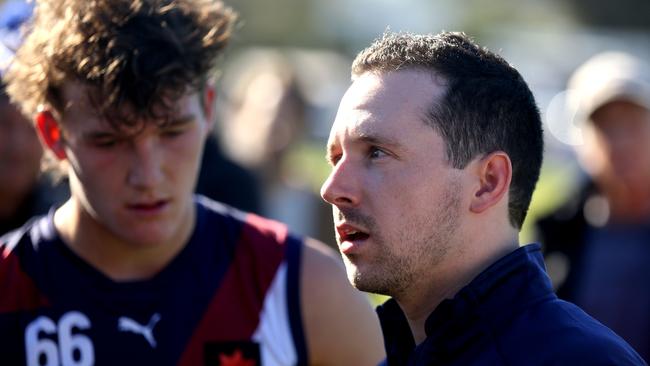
(45, 349)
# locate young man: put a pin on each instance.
(132, 270)
(435, 152)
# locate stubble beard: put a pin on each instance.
(429, 239)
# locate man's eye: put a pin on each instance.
(376, 153)
(334, 159)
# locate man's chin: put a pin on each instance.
(365, 283)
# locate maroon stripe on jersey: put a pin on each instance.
(233, 313)
(19, 293)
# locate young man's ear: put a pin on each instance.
(209, 98)
(50, 133)
(495, 175)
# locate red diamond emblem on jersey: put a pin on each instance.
(236, 359)
(234, 353)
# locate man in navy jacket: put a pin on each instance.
(435, 153)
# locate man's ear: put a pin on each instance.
(495, 174)
(50, 133)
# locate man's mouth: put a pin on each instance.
(351, 233)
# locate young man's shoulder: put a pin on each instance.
(30, 237)
(258, 241)
(337, 320)
(222, 217)
(21, 250)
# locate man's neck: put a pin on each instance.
(115, 258)
(417, 305)
(421, 299)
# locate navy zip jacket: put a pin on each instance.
(508, 315)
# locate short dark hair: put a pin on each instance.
(487, 106)
(136, 56)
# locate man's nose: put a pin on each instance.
(342, 186)
(146, 166)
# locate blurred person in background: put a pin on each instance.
(224, 180)
(600, 240)
(266, 118)
(24, 190)
(134, 269)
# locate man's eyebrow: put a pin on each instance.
(375, 139)
(366, 137)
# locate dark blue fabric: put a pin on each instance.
(294, 252)
(614, 283)
(508, 315)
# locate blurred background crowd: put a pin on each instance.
(586, 63)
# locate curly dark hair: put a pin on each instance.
(487, 106)
(136, 56)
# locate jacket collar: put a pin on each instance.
(508, 286)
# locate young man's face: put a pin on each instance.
(135, 188)
(396, 200)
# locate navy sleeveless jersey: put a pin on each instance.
(230, 297)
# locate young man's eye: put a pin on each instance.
(172, 132)
(105, 142)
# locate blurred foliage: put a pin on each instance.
(376, 299)
(480, 17)
(558, 180)
(626, 14)
(305, 23)
(306, 162)
(275, 23)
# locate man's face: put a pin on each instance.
(396, 200)
(136, 187)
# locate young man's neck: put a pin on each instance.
(115, 258)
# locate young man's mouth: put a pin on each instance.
(148, 207)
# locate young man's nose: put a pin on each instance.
(146, 163)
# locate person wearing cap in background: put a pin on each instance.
(24, 191)
(603, 232)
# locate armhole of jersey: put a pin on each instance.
(294, 253)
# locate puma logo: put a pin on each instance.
(125, 324)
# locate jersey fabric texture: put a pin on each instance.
(230, 297)
(508, 315)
